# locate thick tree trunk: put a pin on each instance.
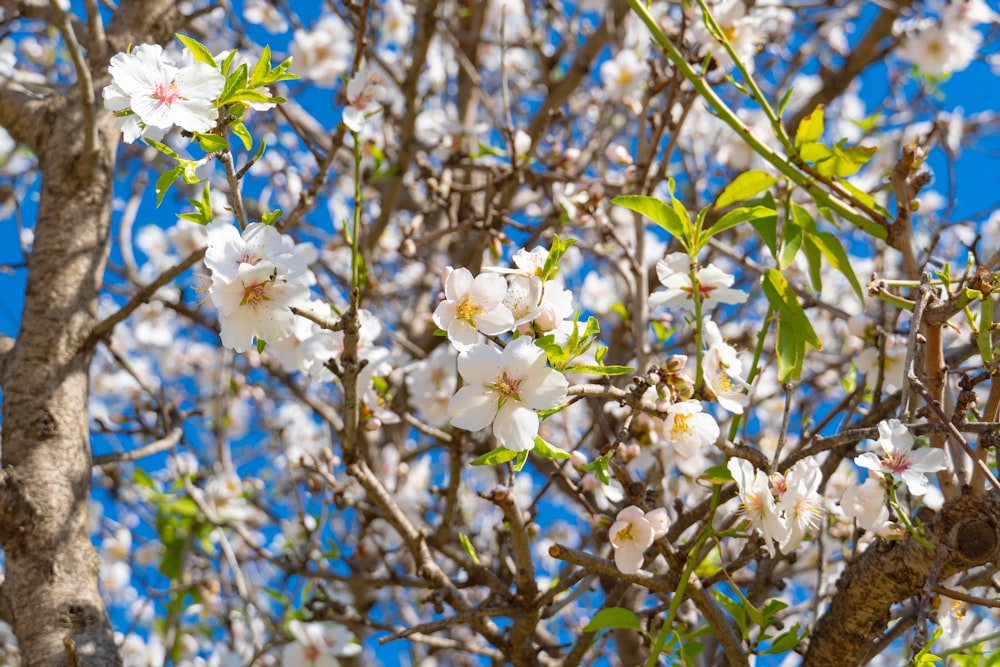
(51, 566)
(50, 593)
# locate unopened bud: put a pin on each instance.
(445, 273)
(578, 459)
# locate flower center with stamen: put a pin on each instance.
(897, 462)
(468, 308)
(625, 534)
(507, 387)
(254, 295)
(681, 427)
(166, 93)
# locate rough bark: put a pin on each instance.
(889, 572)
(50, 594)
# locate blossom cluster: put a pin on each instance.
(257, 276)
(151, 93)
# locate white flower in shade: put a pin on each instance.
(659, 520)
(866, 503)
(256, 304)
(688, 429)
(472, 306)
(938, 48)
(799, 501)
(267, 14)
(364, 90)
(900, 460)
(431, 384)
(318, 645)
(722, 370)
(714, 285)
(631, 534)
(625, 75)
(757, 502)
(506, 389)
(160, 94)
(323, 53)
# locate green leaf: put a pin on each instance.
(811, 128)
(272, 217)
(784, 642)
(211, 143)
(716, 475)
(814, 259)
(261, 68)
(164, 182)
(599, 467)
(791, 240)
(521, 458)
(241, 131)
(556, 251)
(781, 297)
(767, 227)
(228, 63)
(261, 344)
(654, 209)
(735, 609)
(784, 101)
(737, 217)
(499, 455)
(829, 245)
(235, 82)
(600, 370)
(547, 450)
(470, 551)
(166, 150)
(791, 350)
(198, 50)
(613, 618)
(815, 152)
(747, 185)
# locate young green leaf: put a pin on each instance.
(747, 185)
(613, 618)
(781, 297)
(811, 128)
(499, 455)
(198, 50)
(543, 448)
(654, 209)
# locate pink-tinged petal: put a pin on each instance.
(516, 427)
(659, 520)
(479, 365)
(630, 514)
(458, 284)
(628, 559)
(472, 408)
(496, 320)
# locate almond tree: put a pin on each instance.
(493, 332)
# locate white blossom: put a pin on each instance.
(631, 534)
(160, 94)
(506, 389)
(900, 459)
(473, 305)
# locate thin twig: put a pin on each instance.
(166, 442)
